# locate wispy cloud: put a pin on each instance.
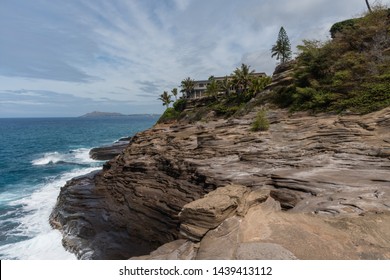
(26, 103)
(132, 51)
(40, 40)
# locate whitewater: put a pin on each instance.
(37, 158)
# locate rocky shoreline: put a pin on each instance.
(216, 190)
(110, 151)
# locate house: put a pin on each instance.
(200, 86)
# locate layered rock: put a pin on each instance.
(325, 172)
(201, 215)
(110, 151)
(263, 231)
(283, 75)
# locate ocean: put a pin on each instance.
(37, 157)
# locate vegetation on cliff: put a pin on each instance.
(165, 98)
(349, 72)
(261, 122)
(223, 98)
(282, 47)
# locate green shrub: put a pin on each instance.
(180, 105)
(342, 26)
(352, 71)
(219, 108)
(232, 110)
(225, 110)
(283, 96)
(170, 114)
(341, 77)
(371, 97)
(261, 122)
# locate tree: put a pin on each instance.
(213, 87)
(165, 98)
(174, 92)
(242, 78)
(225, 85)
(187, 86)
(282, 47)
(258, 84)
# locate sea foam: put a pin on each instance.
(78, 156)
(38, 239)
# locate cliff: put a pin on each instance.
(311, 187)
(209, 187)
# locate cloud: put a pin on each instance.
(42, 42)
(131, 51)
(149, 87)
(182, 4)
(26, 103)
(19, 102)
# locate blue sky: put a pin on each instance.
(67, 58)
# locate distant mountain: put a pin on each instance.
(101, 114)
(97, 114)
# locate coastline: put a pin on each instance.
(140, 197)
(48, 153)
(108, 152)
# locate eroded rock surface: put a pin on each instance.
(265, 232)
(110, 151)
(329, 174)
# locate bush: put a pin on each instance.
(170, 114)
(372, 97)
(342, 26)
(180, 105)
(351, 71)
(225, 110)
(261, 122)
(283, 96)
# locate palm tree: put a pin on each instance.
(187, 86)
(212, 87)
(225, 85)
(165, 98)
(174, 92)
(242, 78)
(258, 84)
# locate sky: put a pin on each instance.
(66, 58)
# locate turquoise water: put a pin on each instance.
(37, 157)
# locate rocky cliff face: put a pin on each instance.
(218, 190)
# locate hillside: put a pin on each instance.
(350, 72)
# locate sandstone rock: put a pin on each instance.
(283, 75)
(180, 249)
(201, 215)
(266, 232)
(329, 174)
(110, 151)
(263, 251)
(220, 243)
